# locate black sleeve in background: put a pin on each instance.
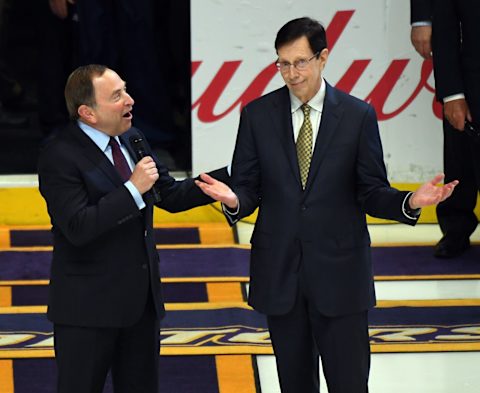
(420, 10)
(446, 48)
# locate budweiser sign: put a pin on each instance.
(234, 64)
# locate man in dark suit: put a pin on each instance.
(456, 62)
(310, 158)
(105, 298)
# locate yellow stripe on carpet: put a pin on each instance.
(6, 376)
(243, 304)
(224, 292)
(215, 233)
(235, 374)
(425, 347)
(5, 296)
(4, 237)
(428, 303)
(210, 233)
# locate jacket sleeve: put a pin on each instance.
(246, 168)
(446, 47)
(177, 196)
(420, 10)
(374, 193)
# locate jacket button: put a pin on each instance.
(304, 207)
(144, 266)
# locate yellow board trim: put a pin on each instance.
(25, 206)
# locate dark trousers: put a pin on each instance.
(302, 335)
(84, 355)
(461, 162)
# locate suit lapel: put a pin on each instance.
(95, 155)
(331, 116)
(282, 120)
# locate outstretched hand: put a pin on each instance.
(217, 190)
(432, 194)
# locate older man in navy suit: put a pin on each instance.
(310, 158)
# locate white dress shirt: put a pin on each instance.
(102, 140)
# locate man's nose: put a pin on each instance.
(129, 100)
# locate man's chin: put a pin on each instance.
(128, 124)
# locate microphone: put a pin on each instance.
(139, 149)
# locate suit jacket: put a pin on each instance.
(105, 262)
(421, 10)
(456, 55)
(323, 228)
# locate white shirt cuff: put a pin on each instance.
(231, 215)
(453, 97)
(137, 197)
(422, 23)
(406, 210)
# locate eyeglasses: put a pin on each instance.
(299, 65)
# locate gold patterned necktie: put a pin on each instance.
(304, 145)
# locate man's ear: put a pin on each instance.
(324, 56)
(87, 113)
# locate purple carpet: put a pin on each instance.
(178, 263)
(181, 374)
(234, 262)
(419, 261)
(43, 237)
(181, 292)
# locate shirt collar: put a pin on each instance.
(98, 137)
(316, 102)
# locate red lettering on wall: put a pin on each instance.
(385, 86)
(207, 101)
(337, 26)
(195, 65)
(351, 76)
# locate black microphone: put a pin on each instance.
(138, 146)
